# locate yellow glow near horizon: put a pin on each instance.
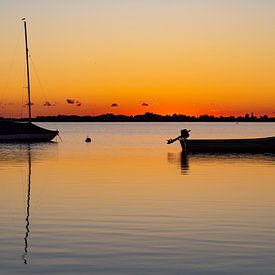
(190, 57)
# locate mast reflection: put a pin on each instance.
(24, 256)
(27, 154)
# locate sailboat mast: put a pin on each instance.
(28, 71)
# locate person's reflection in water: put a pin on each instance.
(181, 160)
(184, 163)
(24, 256)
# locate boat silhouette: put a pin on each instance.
(264, 144)
(15, 131)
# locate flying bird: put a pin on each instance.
(70, 101)
(78, 103)
(114, 105)
(47, 104)
(74, 102)
(145, 104)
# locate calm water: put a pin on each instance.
(129, 204)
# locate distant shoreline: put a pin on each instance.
(148, 117)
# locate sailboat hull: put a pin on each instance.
(13, 131)
(28, 137)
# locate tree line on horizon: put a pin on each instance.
(151, 117)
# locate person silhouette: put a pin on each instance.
(184, 133)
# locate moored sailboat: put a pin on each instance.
(15, 131)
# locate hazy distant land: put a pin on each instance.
(151, 117)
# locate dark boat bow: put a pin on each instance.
(14, 131)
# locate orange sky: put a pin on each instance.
(190, 57)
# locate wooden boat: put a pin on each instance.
(14, 131)
(266, 144)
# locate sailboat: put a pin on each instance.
(15, 131)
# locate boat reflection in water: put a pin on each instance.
(28, 153)
(214, 160)
(24, 155)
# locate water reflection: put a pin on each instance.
(184, 162)
(180, 159)
(24, 256)
(16, 154)
(19, 155)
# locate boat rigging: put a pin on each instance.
(15, 131)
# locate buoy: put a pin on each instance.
(88, 139)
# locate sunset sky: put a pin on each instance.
(176, 56)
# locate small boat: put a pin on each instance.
(16, 131)
(266, 144)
